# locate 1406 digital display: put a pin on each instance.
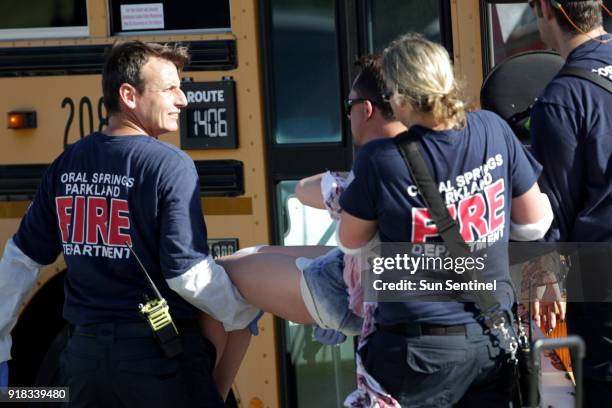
(209, 121)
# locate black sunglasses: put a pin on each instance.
(349, 103)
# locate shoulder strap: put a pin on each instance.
(448, 229)
(408, 144)
(588, 75)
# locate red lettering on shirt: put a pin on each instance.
(97, 219)
(472, 212)
(63, 206)
(88, 219)
(479, 215)
(423, 226)
(119, 221)
(495, 198)
(78, 229)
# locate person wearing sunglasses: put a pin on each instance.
(311, 285)
(371, 118)
(570, 132)
(440, 354)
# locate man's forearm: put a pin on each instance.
(207, 286)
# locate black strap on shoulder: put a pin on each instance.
(588, 75)
(408, 144)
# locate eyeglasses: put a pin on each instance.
(349, 103)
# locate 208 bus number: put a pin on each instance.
(86, 116)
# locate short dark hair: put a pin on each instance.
(585, 14)
(124, 62)
(370, 84)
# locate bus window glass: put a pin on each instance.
(391, 18)
(304, 57)
(138, 16)
(515, 30)
(31, 19)
(304, 225)
(324, 375)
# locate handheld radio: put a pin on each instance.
(157, 313)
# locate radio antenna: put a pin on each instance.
(159, 296)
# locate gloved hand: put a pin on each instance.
(329, 337)
(4, 376)
(253, 325)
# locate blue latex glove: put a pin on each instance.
(4, 377)
(329, 337)
(253, 325)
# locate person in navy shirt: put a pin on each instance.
(436, 353)
(309, 284)
(113, 189)
(571, 136)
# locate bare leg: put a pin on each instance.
(235, 350)
(271, 282)
(307, 251)
(213, 330)
(231, 349)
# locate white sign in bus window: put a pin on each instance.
(142, 16)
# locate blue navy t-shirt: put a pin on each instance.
(571, 132)
(479, 168)
(106, 191)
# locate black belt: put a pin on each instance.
(415, 329)
(128, 329)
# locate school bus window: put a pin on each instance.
(514, 30)
(138, 16)
(388, 19)
(303, 225)
(31, 19)
(305, 63)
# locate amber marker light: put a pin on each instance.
(255, 403)
(21, 120)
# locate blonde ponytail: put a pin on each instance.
(421, 71)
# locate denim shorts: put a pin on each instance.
(325, 294)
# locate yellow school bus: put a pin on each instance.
(265, 86)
